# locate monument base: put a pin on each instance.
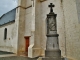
(53, 53)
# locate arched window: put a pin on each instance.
(5, 33)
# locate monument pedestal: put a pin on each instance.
(52, 51)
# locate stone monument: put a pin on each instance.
(52, 51)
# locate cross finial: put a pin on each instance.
(51, 7)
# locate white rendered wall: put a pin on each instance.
(10, 44)
(72, 28)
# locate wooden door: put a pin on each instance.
(26, 44)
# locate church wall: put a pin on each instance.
(37, 39)
(9, 44)
(67, 27)
(78, 9)
(20, 21)
(28, 21)
(72, 28)
(28, 3)
(21, 27)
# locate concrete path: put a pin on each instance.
(4, 53)
(17, 58)
(11, 56)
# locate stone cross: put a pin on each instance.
(52, 51)
(51, 7)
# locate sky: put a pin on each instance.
(7, 5)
